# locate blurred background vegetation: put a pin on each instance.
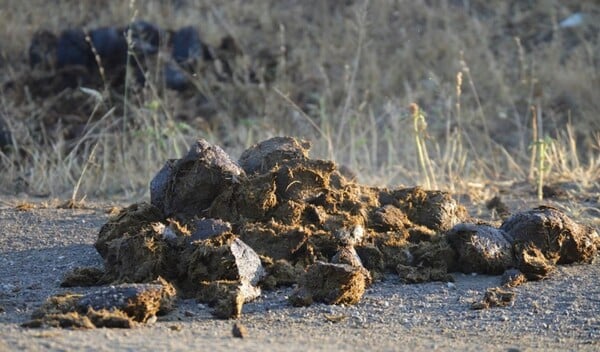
(341, 74)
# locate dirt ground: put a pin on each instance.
(39, 246)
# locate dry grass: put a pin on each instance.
(347, 73)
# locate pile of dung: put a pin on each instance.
(220, 230)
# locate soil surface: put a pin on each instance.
(38, 246)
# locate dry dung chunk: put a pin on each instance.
(495, 297)
(419, 233)
(225, 257)
(347, 255)
(513, 278)
(250, 200)
(280, 273)
(389, 218)
(238, 330)
(436, 210)
(371, 257)
(481, 248)
(142, 256)
(498, 205)
(532, 262)
(159, 184)
(264, 156)
(331, 284)
(70, 320)
(129, 221)
(416, 275)
(350, 236)
(84, 277)
(274, 240)
(436, 254)
(205, 228)
(90, 320)
(186, 187)
(394, 247)
(138, 301)
(225, 296)
(58, 304)
(110, 319)
(303, 181)
(118, 306)
(559, 238)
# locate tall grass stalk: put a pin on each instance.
(420, 130)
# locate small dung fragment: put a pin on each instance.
(513, 278)
(331, 284)
(84, 276)
(239, 330)
(224, 296)
(495, 297)
(532, 262)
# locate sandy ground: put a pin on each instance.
(37, 247)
